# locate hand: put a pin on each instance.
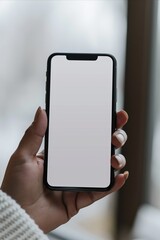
(23, 179)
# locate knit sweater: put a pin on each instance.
(15, 223)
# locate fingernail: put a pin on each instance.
(121, 136)
(126, 175)
(37, 113)
(121, 160)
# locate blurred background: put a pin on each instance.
(128, 29)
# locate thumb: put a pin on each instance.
(32, 139)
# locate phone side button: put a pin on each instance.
(116, 94)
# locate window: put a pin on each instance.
(139, 201)
(154, 196)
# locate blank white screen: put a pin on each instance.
(79, 143)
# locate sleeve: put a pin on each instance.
(15, 223)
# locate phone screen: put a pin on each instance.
(80, 115)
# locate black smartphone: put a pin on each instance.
(81, 110)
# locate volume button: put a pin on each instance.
(116, 94)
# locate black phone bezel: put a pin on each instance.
(83, 57)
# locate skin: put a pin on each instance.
(23, 179)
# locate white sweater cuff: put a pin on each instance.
(15, 223)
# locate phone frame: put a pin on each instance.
(83, 57)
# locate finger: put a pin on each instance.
(122, 118)
(41, 154)
(69, 200)
(118, 161)
(120, 180)
(33, 136)
(119, 138)
(84, 199)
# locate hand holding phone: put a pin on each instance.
(81, 106)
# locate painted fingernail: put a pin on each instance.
(126, 175)
(121, 136)
(121, 160)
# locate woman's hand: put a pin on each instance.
(23, 179)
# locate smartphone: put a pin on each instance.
(81, 110)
